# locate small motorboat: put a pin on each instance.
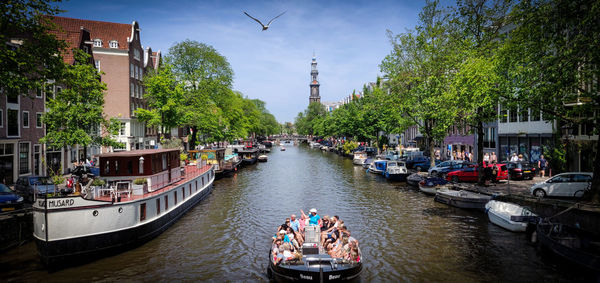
(359, 158)
(462, 199)
(431, 185)
(508, 215)
(414, 179)
(367, 162)
(282, 148)
(378, 167)
(263, 158)
(574, 244)
(396, 171)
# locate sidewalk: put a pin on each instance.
(515, 187)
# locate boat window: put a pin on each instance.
(130, 167)
(116, 166)
(166, 203)
(196, 185)
(142, 211)
(157, 206)
(183, 193)
(164, 161)
(175, 197)
(107, 168)
(190, 189)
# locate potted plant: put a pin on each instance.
(183, 157)
(204, 160)
(139, 186)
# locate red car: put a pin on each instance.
(470, 174)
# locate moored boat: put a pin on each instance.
(368, 162)
(462, 199)
(505, 214)
(359, 158)
(574, 244)
(431, 185)
(414, 179)
(249, 155)
(378, 167)
(396, 171)
(124, 214)
(282, 148)
(263, 158)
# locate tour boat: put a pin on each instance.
(147, 191)
(359, 158)
(396, 171)
(503, 214)
(431, 185)
(462, 199)
(315, 264)
(263, 158)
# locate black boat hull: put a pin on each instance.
(287, 273)
(76, 251)
(396, 177)
(586, 255)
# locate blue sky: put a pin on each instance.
(348, 37)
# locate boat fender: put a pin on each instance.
(487, 210)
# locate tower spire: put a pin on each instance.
(314, 83)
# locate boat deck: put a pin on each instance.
(191, 172)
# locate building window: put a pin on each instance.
(116, 167)
(113, 44)
(166, 203)
(25, 119)
(524, 115)
(122, 131)
(23, 158)
(164, 161)
(503, 114)
(131, 70)
(49, 92)
(97, 64)
(12, 122)
(512, 114)
(157, 206)
(535, 114)
(132, 89)
(1, 118)
(142, 211)
(97, 42)
(38, 93)
(107, 167)
(136, 54)
(38, 120)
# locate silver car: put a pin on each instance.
(572, 184)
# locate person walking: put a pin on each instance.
(493, 157)
(542, 164)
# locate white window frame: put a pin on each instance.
(132, 89)
(113, 44)
(97, 64)
(97, 42)
(38, 119)
(18, 154)
(131, 71)
(39, 93)
(25, 113)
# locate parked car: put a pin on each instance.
(521, 170)
(470, 173)
(25, 186)
(447, 166)
(572, 184)
(9, 200)
(420, 163)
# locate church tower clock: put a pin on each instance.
(314, 83)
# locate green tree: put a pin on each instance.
(75, 115)
(419, 70)
(164, 96)
(204, 74)
(28, 50)
(551, 63)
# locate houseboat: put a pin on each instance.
(146, 191)
(248, 155)
(215, 157)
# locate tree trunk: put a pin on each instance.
(480, 169)
(193, 138)
(595, 189)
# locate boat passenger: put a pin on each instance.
(313, 217)
(302, 223)
(294, 223)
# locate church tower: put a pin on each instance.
(314, 83)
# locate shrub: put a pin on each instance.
(98, 182)
(140, 181)
(183, 157)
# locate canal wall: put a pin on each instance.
(17, 228)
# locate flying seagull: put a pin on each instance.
(264, 27)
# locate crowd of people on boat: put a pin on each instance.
(335, 238)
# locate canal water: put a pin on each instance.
(403, 234)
